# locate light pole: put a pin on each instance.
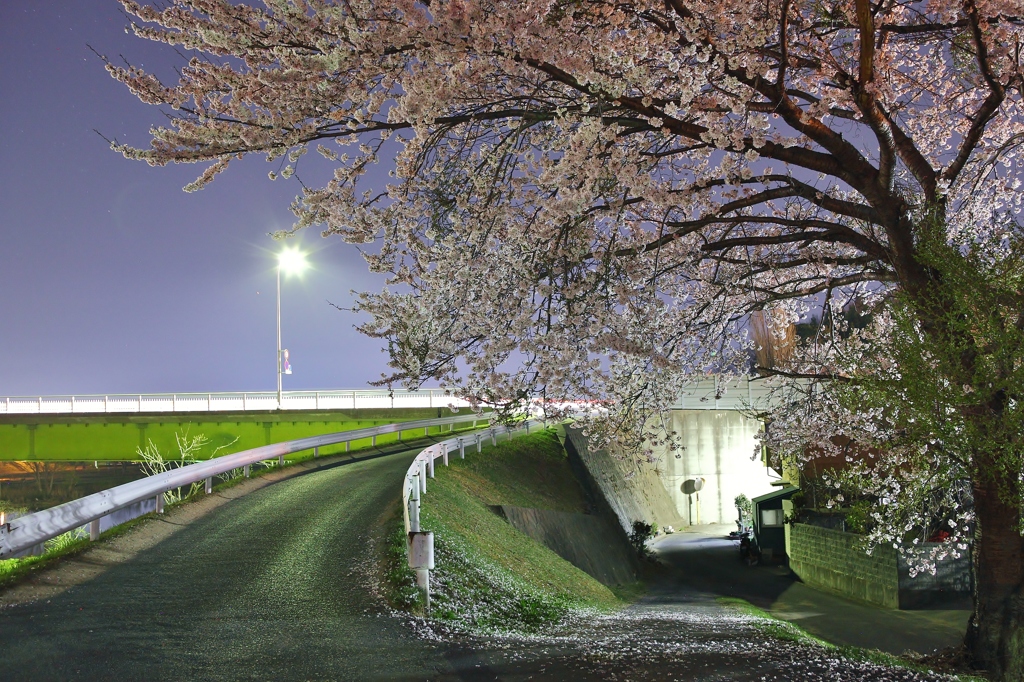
(293, 261)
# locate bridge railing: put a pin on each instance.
(147, 494)
(421, 543)
(226, 402)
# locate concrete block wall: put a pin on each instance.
(837, 562)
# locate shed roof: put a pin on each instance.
(783, 494)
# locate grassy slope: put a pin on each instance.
(488, 575)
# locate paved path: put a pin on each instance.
(709, 562)
(278, 585)
(273, 585)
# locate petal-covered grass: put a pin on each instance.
(488, 576)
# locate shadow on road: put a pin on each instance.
(707, 561)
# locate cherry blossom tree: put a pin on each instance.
(590, 198)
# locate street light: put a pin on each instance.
(292, 261)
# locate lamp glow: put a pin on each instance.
(292, 261)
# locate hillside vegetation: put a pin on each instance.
(488, 575)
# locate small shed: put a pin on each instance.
(769, 522)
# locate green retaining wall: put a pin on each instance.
(836, 562)
(116, 437)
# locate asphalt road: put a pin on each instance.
(709, 562)
(273, 585)
(278, 584)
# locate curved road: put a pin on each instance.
(276, 585)
(273, 585)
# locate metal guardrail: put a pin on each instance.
(421, 544)
(227, 402)
(25, 532)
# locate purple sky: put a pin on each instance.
(114, 279)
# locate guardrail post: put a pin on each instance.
(527, 426)
(280, 461)
(94, 530)
(426, 431)
(421, 559)
(423, 475)
(462, 449)
(348, 444)
(160, 503)
(316, 452)
(373, 441)
(209, 485)
(479, 443)
(245, 470)
(414, 504)
(444, 453)
(494, 438)
(430, 464)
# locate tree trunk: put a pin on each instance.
(995, 634)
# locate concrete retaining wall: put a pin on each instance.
(588, 541)
(719, 446)
(633, 492)
(836, 562)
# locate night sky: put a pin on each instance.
(113, 279)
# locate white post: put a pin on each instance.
(209, 485)
(444, 453)
(423, 475)
(245, 470)
(494, 438)
(160, 503)
(414, 502)
(430, 464)
(280, 461)
(423, 582)
(94, 530)
(373, 441)
(348, 444)
(479, 443)
(462, 449)
(316, 452)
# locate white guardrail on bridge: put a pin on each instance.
(421, 543)
(25, 532)
(227, 402)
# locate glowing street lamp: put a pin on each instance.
(292, 261)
